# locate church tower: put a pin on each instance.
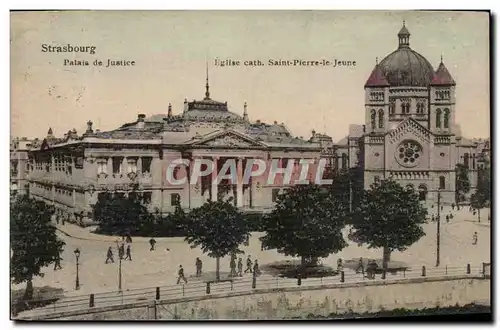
(442, 102)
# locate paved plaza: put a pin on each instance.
(149, 269)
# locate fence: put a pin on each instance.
(237, 284)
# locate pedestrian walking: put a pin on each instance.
(57, 264)
(232, 268)
(360, 267)
(152, 242)
(109, 256)
(128, 239)
(249, 265)
(240, 267)
(198, 264)
(181, 275)
(432, 218)
(256, 270)
(447, 218)
(340, 267)
(128, 256)
(121, 251)
(453, 206)
(370, 269)
(474, 238)
(57, 219)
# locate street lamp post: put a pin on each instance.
(438, 235)
(77, 282)
(120, 257)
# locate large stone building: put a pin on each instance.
(73, 171)
(19, 149)
(409, 134)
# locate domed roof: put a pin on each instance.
(406, 67)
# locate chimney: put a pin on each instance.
(140, 120)
(169, 115)
(50, 133)
(245, 113)
(258, 121)
(275, 122)
(185, 105)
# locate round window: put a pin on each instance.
(409, 153)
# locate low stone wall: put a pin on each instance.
(295, 302)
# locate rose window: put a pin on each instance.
(409, 153)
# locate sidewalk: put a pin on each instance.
(77, 232)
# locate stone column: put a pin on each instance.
(214, 179)
(239, 183)
(124, 166)
(110, 166)
(139, 165)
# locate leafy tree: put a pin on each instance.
(119, 214)
(307, 221)
(462, 182)
(218, 227)
(478, 200)
(389, 217)
(484, 182)
(34, 243)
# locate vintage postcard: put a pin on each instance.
(249, 165)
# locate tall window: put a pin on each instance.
(392, 108)
(438, 118)
(117, 165)
(466, 160)
(102, 166)
(446, 120)
(146, 164)
(442, 182)
(473, 161)
(381, 118)
(422, 192)
(344, 160)
(373, 119)
(175, 199)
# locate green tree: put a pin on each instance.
(478, 200)
(33, 241)
(218, 228)
(119, 214)
(307, 221)
(389, 217)
(462, 182)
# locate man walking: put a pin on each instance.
(152, 242)
(232, 267)
(256, 270)
(181, 275)
(57, 264)
(198, 265)
(121, 250)
(360, 267)
(109, 256)
(128, 256)
(474, 238)
(240, 267)
(249, 265)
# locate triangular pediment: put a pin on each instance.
(411, 126)
(228, 139)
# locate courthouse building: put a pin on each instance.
(409, 134)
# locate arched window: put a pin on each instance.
(446, 118)
(438, 118)
(373, 119)
(403, 107)
(422, 192)
(473, 161)
(381, 118)
(344, 160)
(442, 182)
(466, 160)
(392, 107)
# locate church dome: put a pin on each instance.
(406, 67)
